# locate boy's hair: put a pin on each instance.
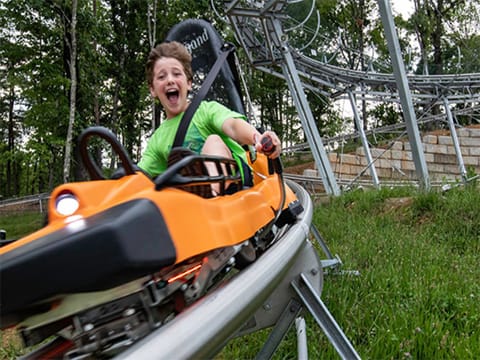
(172, 49)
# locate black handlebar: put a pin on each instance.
(104, 133)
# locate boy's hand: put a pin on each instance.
(268, 144)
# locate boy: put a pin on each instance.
(214, 129)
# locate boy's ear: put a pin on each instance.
(189, 85)
(152, 92)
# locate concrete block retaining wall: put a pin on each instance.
(396, 162)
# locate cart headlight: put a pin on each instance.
(66, 204)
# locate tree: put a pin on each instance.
(429, 23)
(35, 75)
(73, 90)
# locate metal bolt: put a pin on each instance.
(128, 312)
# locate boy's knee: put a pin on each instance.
(214, 138)
(215, 145)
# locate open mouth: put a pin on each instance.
(172, 95)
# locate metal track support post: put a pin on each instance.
(404, 93)
(456, 143)
(280, 330)
(363, 138)
(306, 117)
(302, 347)
(331, 261)
(324, 318)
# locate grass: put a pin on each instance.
(417, 294)
(19, 224)
(16, 225)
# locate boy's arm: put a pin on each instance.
(245, 134)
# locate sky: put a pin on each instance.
(404, 7)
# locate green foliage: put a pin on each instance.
(384, 114)
(271, 96)
(443, 29)
(113, 42)
(11, 346)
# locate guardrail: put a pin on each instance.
(314, 184)
(25, 201)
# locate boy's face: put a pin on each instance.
(170, 86)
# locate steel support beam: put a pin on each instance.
(404, 93)
(456, 143)
(305, 114)
(280, 330)
(324, 318)
(302, 347)
(363, 138)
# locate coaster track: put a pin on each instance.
(255, 30)
(270, 36)
(203, 329)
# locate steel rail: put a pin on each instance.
(203, 329)
(256, 39)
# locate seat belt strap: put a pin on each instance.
(227, 48)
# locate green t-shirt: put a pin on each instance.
(207, 120)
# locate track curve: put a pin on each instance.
(203, 329)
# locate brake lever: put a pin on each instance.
(268, 148)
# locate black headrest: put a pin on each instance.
(204, 43)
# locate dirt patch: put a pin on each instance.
(10, 338)
(396, 204)
(441, 132)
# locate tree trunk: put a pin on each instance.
(73, 93)
(152, 36)
(96, 105)
(436, 36)
(11, 143)
(421, 35)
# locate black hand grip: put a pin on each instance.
(267, 145)
(268, 148)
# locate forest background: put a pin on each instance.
(66, 65)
